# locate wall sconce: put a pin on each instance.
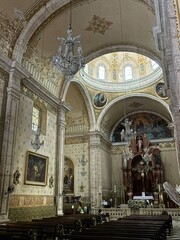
(16, 177)
(51, 181)
(37, 144)
(83, 162)
(10, 189)
(81, 188)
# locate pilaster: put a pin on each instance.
(170, 55)
(95, 169)
(9, 140)
(63, 109)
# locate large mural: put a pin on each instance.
(144, 123)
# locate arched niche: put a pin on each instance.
(68, 186)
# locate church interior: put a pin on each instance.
(89, 107)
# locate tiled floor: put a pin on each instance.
(175, 235)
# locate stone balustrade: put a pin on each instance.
(115, 213)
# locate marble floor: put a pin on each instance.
(175, 235)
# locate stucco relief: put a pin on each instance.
(42, 69)
(9, 29)
(117, 150)
(4, 75)
(98, 25)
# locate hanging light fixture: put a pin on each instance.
(69, 58)
(126, 134)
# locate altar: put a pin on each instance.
(142, 171)
(143, 197)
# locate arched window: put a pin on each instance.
(128, 73)
(101, 72)
(154, 65)
(36, 119)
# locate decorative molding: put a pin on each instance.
(167, 145)
(30, 200)
(42, 70)
(75, 140)
(33, 90)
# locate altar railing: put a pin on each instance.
(115, 213)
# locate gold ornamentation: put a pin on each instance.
(167, 145)
(98, 25)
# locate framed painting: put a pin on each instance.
(36, 169)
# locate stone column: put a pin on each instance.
(9, 140)
(95, 169)
(63, 109)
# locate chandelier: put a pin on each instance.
(127, 134)
(69, 57)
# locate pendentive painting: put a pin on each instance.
(160, 90)
(68, 176)
(36, 169)
(100, 100)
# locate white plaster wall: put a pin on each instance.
(74, 152)
(23, 144)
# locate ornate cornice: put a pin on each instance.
(33, 90)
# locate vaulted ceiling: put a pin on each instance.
(104, 25)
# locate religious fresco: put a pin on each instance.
(160, 90)
(68, 176)
(100, 100)
(144, 123)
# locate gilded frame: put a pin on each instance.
(36, 169)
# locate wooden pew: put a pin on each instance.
(166, 218)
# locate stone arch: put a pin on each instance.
(110, 105)
(87, 100)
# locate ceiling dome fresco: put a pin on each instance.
(120, 71)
